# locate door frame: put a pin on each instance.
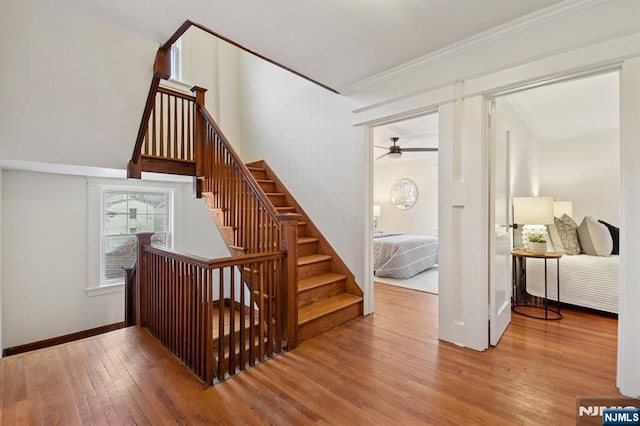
(369, 296)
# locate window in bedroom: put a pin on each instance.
(125, 213)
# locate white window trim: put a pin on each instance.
(96, 189)
(177, 62)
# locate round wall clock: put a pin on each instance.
(404, 193)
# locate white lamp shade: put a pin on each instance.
(376, 210)
(533, 210)
(563, 207)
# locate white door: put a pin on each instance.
(500, 269)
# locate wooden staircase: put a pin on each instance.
(327, 292)
(256, 216)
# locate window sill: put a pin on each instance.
(105, 289)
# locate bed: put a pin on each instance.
(402, 255)
(588, 281)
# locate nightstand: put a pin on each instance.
(526, 304)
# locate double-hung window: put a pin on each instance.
(125, 213)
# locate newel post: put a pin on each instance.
(130, 302)
(288, 243)
(144, 239)
(199, 130)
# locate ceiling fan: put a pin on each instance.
(396, 152)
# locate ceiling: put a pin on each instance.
(570, 110)
(335, 42)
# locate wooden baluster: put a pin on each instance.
(232, 322)
(263, 319)
(208, 328)
(175, 128)
(221, 307)
(242, 336)
(252, 319)
(289, 238)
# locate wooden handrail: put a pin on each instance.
(161, 70)
(246, 174)
(222, 262)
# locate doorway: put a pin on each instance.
(564, 143)
(405, 203)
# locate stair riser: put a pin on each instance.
(218, 214)
(259, 174)
(307, 249)
(277, 200)
(267, 186)
(307, 271)
(228, 234)
(322, 324)
(308, 296)
(302, 230)
(210, 201)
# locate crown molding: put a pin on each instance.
(532, 20)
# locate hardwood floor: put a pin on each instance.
(386, 368)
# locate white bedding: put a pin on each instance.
(589, 281)
(403, 256)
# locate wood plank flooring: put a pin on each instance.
(386, 368)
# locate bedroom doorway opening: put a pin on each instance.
(405, 203)
(564, 143)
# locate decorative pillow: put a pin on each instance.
(595, 238)
(555, 238)
(615, 236)
(568, 231)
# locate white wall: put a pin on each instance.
(305, 134)
(214, 64)
(45, 236)
(585, 171)
(1, 243)
(422, 218)
(200, 236)
(200, 65)
(73, 87)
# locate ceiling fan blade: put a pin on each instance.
(383, 155)
(381, 147)
(419, 149)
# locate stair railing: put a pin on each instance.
(203, 313)
(178, 135)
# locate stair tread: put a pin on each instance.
(313, 258)
(227, 321)
(307, 240)
(323, 307)
(319, 280)
(275, 194)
